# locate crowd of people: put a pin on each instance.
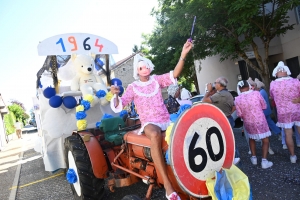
(252, 105)
(254, 108)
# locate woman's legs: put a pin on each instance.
(289, 140)
(247, 137)
(252, 145)
(154, 134)
(265, 147)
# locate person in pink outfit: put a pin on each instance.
(286, 92)
(154, 117)
(249, 106)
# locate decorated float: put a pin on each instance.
(67, 78)
(81, 134)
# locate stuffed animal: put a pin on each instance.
(85, 80)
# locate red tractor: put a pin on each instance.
(202, 142)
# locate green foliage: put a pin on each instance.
(14, 101)
(16, 112)
(224, 27)
(9, 121)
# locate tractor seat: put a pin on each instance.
(141, 140)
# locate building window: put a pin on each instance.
(297, 10)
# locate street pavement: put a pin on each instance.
(22, 174)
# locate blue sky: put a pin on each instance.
(26, 22)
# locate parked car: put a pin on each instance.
(29, 129)
(197, 98)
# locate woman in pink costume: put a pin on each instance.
(249, 106)
(154, 117)
(285, 91)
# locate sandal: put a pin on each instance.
(173, 196)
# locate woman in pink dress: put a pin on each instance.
(285, 91)
(154, 117)
(249, 106)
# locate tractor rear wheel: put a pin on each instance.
(77, 158)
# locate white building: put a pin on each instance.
(3, 110)
(284, 48)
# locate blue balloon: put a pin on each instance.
(69, 102)
(119, 82)
(121, 90)
(49, 92)
(55, 101)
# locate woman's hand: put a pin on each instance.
(115, 90)
(186, 48)
(297, 100)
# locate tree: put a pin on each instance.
(142, 49)
(229, 28)
(32, 116)
(14, 101)
(135, 49)
(9, 121)
(18, 112)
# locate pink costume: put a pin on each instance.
(283, 91)
(249, 106)
(148, 100)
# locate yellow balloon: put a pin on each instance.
(109, 96)
(168, 133)
(79, 108)
(81, 124)
(88, 98)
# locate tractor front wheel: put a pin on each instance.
(77, 158)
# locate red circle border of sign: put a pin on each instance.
(184, 121)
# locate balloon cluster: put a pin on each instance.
(118, 82)
(55, 101)
(85, 105)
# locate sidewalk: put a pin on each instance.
(23, 175)
(11, 158)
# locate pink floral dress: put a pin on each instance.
(283, 91)
(249, 106)
(148, 100)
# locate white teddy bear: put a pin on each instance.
(85, 80)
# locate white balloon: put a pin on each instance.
(57, 122)
(66, 72)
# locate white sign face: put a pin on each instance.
(79, 43)
(204, 148)
(250, 54)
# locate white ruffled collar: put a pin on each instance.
(140, 83)
(247, 92)
(283, 78)
(143, 84)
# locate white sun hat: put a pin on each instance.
(259, 83)
(185, 94)
(138, 58)
(281, 68)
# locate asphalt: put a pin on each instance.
(22, 174)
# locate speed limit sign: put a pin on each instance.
(202, 142)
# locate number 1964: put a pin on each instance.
(86, 46)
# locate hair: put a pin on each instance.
(223, 81)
